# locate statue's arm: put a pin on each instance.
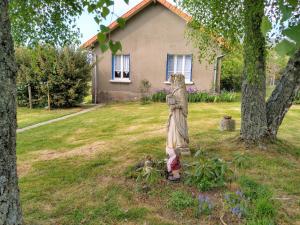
(179, 102)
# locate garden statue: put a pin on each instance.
(177, 129)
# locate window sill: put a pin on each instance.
(187, 83)
(120, 81)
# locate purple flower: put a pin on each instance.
(192, 90)
(239, 193)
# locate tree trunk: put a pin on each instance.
(254, 120)
(10, 210)
(283, 95)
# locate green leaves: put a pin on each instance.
(291, 43)
(121, 22)
(103, 46)
(101, 37)
(266, 26)
(115, 46)
(287, 8)
(293, 33)
(105, 12)
(104, 29)
(91, 8)
(285, 47)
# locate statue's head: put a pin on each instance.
(177, 80)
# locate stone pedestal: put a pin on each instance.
(227, 124)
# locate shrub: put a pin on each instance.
(180, 200)
(232, 69)
(160, 96)
(63, 72)
(148, 171)
(208, 173)
(231, 82)
(145, 89)
(197, 96)
(297, 98)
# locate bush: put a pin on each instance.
(196, 96)
(231, 82)
(148, 171)
(208, 173)
(64, 73)
(232, 69)
(160, 96)
(145, 90)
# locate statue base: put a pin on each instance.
(185, 151)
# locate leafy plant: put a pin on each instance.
(205, 206)
(180, 200)
(297, 98)
(241, 160)
(253, 190)
(197, 96)
(262, 208)
(208, 173)
(148, 171)
(148, 175)
(253, 203)
(160, 96)
(232, 69)
(236, 203)
(145, 89)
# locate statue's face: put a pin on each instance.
(177, 80)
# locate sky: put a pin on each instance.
(88, 27)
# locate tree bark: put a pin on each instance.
(253, 108)
(10, 210)
(283, 95)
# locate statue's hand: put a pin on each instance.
(173, 107)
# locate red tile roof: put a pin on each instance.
(136, 9)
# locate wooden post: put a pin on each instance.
(29, 96)
(49, 105)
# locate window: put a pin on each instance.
(121, 67)
(180, 64)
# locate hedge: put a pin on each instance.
(63, 72)
(197, 96)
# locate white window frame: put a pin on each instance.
(122, 69)
(183, 66)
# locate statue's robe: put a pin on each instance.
(178, 137)
(177, 129)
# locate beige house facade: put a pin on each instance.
(153, 47)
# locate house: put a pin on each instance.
(153, 47)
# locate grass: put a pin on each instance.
(72, 172)
(27, 117)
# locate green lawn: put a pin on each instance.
(72, 172)
(27, 117)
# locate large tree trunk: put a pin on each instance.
(254, 120)
(283, 95)
(10, 210)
